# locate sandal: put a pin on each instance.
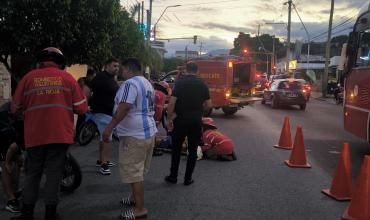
(130, 215)
(127, 201)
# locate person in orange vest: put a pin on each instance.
(48, 97)
(215, 144)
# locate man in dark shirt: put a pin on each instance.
(104, 88)
(189, 97)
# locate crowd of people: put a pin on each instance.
(46, 100)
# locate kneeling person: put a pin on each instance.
(215, 144)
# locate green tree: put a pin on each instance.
(257, 44)
(172, 63)
(87, 31)
(257, 47)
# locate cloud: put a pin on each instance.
(212, 25)
(208, 44)
(204, 9)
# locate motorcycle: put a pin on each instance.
(338, 94)
(72, 175)
(88, 130)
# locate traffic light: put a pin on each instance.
(244, 51)
(195, 39)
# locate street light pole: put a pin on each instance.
(288, 40)
(149, 18)
(155, 25)
(327, 53)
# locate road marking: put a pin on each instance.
(333, 152)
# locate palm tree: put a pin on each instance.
(134, 10)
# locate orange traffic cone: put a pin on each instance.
(341, 186)
(285, 141)
(298, 155)
(359, 208)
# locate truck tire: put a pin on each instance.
(207, 113)
(229, 110)
(263, 101)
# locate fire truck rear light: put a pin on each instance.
(227, 94)
(230, 64)
(346, 114)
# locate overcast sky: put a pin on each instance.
(218, 22)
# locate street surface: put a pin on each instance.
(256, 186)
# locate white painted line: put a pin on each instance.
(333, 152)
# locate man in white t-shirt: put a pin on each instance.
(136, 128)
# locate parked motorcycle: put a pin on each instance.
(72, 175)
(338, 94)
(86, 132)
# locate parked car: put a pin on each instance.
(307, 88)
(287, 92)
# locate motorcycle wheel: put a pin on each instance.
(87, 133)
(72, 176)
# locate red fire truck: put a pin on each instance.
(357, 77)
(230, 80)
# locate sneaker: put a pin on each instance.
(170, 179)
(13, 206)
(110, 164)
(188, 182)
(104, 169)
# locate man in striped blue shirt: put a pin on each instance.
(136, 128)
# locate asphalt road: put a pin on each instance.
(256, 186)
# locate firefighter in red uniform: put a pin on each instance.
(215, 144)
(48, 97)
(161, 93)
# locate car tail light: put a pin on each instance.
(304, 91)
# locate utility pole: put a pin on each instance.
(288, 39)
(258, 30)
(273, 54)
(186, 53)
(200, 49)
(150, 18)
(138, 15)
(327, 53)
(142, 12)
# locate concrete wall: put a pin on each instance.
(5, 85)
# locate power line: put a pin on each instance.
(337, 32)
(341, 24)
(352, 16)
(204, 3)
